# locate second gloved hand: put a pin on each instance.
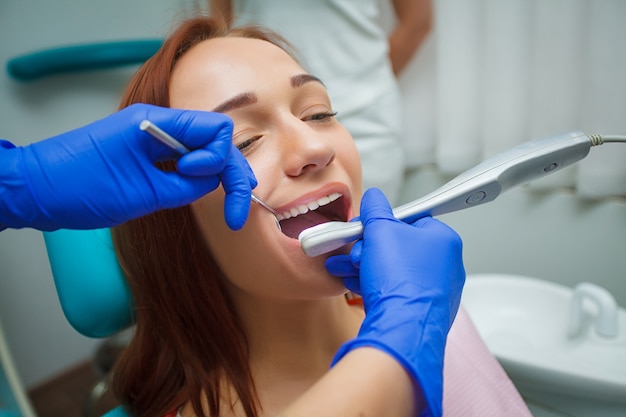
(411, 278)
(104, 174)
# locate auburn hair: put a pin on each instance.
(188, 343)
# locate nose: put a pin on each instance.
(306, 150)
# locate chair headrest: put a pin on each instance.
(90, 283)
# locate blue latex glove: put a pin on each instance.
(411, 278)
(103, 174)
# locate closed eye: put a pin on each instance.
(243, 146)
(321, 116)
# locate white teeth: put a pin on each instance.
(313, 205)
(334, 196)
(323, 201)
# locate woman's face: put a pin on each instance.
(300, 154)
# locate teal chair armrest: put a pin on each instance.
(90, 283)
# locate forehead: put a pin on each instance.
(216, 69)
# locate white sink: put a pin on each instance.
(524, 322)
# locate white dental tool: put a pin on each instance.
(166, 138)
(478, 185)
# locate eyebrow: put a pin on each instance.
(240, 100)
(301, 79)
(247, 98)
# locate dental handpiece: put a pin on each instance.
(479, 185)
(167, 139)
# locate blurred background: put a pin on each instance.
(492, 74)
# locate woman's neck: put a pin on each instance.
(292, 343)
(288, 330)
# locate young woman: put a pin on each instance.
(243, 323)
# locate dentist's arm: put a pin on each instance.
(411, 278)
(222, 9)
(365, 382)
(104, 174)
(414, 23)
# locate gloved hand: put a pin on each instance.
(103, 174)
(410, 277)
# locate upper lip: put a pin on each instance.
(310, 199)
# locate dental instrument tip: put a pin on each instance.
(260, 202)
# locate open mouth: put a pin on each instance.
(332, 207)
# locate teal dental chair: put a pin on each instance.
(89, 281)
(90, 284)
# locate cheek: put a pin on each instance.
(239, 254)
(208, 212)
(353, 166)
(351, 161)
(209, 215)
(266, 162)
(225, 244)
(349, 154)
